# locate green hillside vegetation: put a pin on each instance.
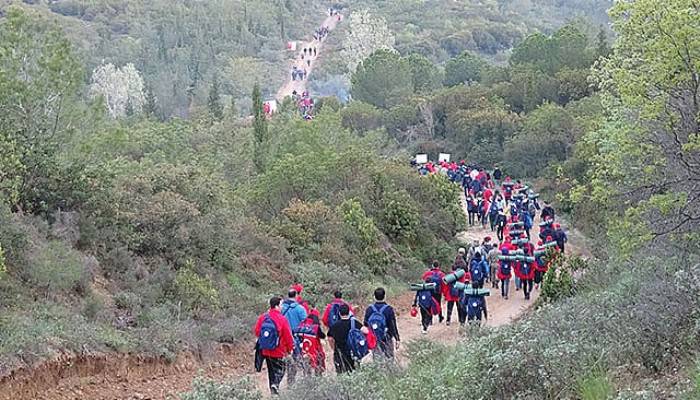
(126, 229)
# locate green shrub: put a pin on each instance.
(595, 385)
(357, 221)
(196, 292)
(56, 268)
(202, 389)
(400, 218)
(3, 268)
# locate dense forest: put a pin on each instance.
(143, 211)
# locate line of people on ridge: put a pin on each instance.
(511, 211)
(290, 336)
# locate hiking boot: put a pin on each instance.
(506, 297)
(440, 319)
(424, 331)
(448, 322)
(275, 390)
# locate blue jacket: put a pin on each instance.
(294, 312)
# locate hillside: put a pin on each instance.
(137, 247)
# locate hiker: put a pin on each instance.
(453, 296)
(493, 210)
(275, 342)
(492, 259)
(350, 341)
(295, 315)
(309, 335)
(478, 271)
(475, 304)
(497, 175)
(541, 264)
(314, 52)
(297, 287)
(304, 74)
(435, 275)
(525, 271)
(547, 212)
(332, 313)
(471, 208)
(560, 237)
(429, 307)
(460, 259)
(504, 274)
(381, 319)
(305, 50)
(308, 63)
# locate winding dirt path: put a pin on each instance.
(300, 85)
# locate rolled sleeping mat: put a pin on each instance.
(518, 224)
(517, 252)
(460, 285)
(416, 287)
(533, 195)
(518, 242)
(469, 291)
(524, 189)
(454, 277)
(540, 252)
(507, 258)
(509, 184)
(546, 223)
(516, 232)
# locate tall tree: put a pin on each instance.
(648, 153)
(150, 108)
(39, 87)
(384, 79)
(464, 68)
(259, 128)
(216, 109)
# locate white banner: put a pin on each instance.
(444, 157)
(421, 158)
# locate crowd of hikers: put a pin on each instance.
(291, 332)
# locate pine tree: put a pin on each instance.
(259, 127)
(215, 108)
(150, 108)
(603, 48)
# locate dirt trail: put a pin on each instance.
(300, 85)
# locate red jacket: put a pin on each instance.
(327, 311)
(286, 344)
(447, 292)
(427, 275)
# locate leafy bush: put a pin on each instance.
(242, 389)
(400, 219)
(56, 269)
(595, 385)
(196, 292)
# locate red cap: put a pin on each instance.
(557, 226)
(297, 288)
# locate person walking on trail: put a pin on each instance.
(560, 237)
(295, 315)
(314, 52)
(309, 334)
(461, 259)
(505, 273)
(381, 319)
(346, 342)
(308, 63)
(478, 271)
(547, 212)
(525, 270)
(428, 306)
(453, 296)
(492, 259)
(475, 305)
(331, 315)
(435, 275)
(275, 342)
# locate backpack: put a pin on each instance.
(437, 280)
(454, 292)
(475, 306)
(357, 342)
(306, 334)
(525, 268)
(334, 315)
(478, 272)
(377, 321)
(505, 268)
(269, 336)
(425, 299)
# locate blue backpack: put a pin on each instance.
(269, 336)
(357, 342)
(437, 280)
(453, 290)
(334, 315)
(377, 321)
(478, 273)
(475, 306)
(505, 268)
(525, 268)
(425, 299)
